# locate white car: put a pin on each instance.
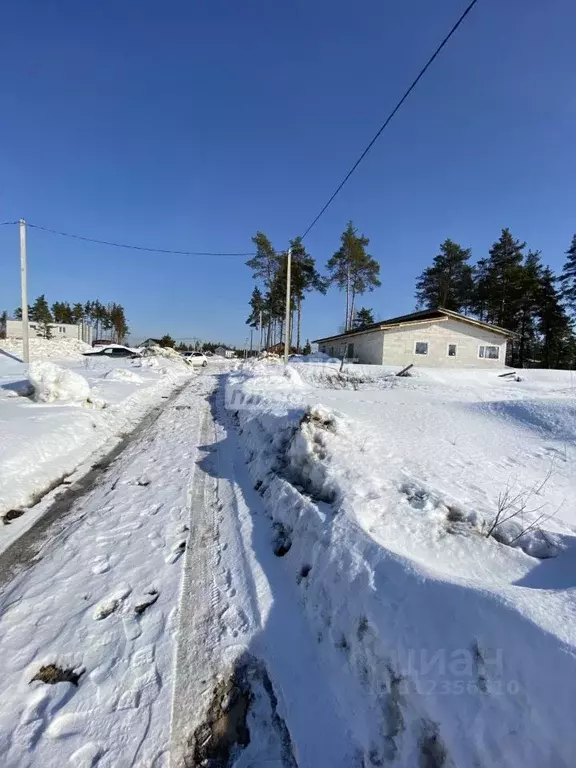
(196, 358)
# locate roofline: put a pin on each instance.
(416, 318)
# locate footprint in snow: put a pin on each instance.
(100, 564)
(145, 601)
(177, 552)
(111, 603)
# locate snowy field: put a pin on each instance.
(55, 413)
(448, 633)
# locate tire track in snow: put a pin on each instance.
(242, 629)
(101, 599)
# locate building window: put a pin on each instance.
(489, 352)
(350, 352)
(421, 348)
(451, 350)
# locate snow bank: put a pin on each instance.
(45, 440)
(123, 374)
(443, 646)
(167, 352)
(47, 349)
(51, 383)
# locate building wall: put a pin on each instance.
(399, 345)
(81, 331)
(368, 348)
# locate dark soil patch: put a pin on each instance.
(432, 751)
(225, 728)
(51, 674)
(311, 417)
(12, 514)
(304, 571)
(244, 699)
(282, 541)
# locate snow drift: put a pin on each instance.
(51, 383)
(436, 647)
(47, 349)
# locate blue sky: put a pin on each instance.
(190, 125)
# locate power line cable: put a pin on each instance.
(7, 223)
(391, 115)
(135, 247)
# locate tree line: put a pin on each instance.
(512, 288)
(105, 319)
(351, 269)
(198, 346)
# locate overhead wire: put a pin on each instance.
(391, 115)
(138, 247)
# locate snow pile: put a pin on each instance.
(329, 376)
(147, 362)
(47, 349)
(43, 439)
(314, 357)
(123, 374)
(167, 352)
(443, 645)
(52, 383)
(271, 357)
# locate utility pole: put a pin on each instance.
(287, 322)
(24, 292)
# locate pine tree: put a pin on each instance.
(258, 317)
(307, 348)
(264, 265)
(117, 321)
(568, 278)
(554, 325)
(498, 279)
(352, 269)
(304, 279)
(56, 312)
(363, 318)
(448, 282)
(62, 312)
(523, 346)
(3, 324)
(167, 341)
(40, 313)
(77, 313)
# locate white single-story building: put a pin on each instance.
(223, 352)
(81, 331)
(433, 337)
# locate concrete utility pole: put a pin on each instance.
(287, 322)
(24, 292)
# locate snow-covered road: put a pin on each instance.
(158, 600)
(101, 602)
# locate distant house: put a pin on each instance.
(223, 352)
(149, 343)
(81, 331)
(278, 349)
(433, 337)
